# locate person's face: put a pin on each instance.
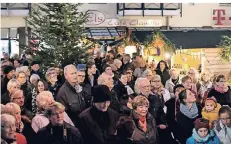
(53, 76)
(14, 87)
(205, 77)
(9, 130)
(41, 86)
(124, 79)
(129, 75)
(92, 70)
(80, 76)
(174, 74)
(109, 81)
(21, 78)
(49, 102)
(222, 83)
(142, 64)
(102, 106)
(149, 76)
(145, 87)
(225, 118)
(11, 74)
(108, 71)
(57, 117)
(6, 56)
(191, 73)
(35, 67)
(118, 65)
(187, 84)
(209, 107)
(190, 97)
(71, 75)
(19, 99)
(202, 132)
(17, 116)
(16, 64)
(142, 110)
(162, 65)
(178, 90)
(156, 83)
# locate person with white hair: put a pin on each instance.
(147, 74)
(173, 81)
(8, 131)
(71, 94)
(33, 79)
(118, 63)
(193, 73)
(12, 85)
(44, 101)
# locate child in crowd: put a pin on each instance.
(222, 127)
(210, 110)
(202, 133)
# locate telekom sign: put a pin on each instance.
(221, 17)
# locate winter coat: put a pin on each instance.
(4, 82)
(87, 80)
(40, 121)
(5, 98)
(169, 85)
(223, 135)
(211, 116)
(54, 89)
(185, 125)
(74, 102)
(138, 72)
(222, 98)
(196, 139)
(39, 73)
(141, 137)
(120, 89)
(115, 103)
(98, 127)
(56, 135)
(164, 75)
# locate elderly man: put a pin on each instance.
(8, 131)
(107, 80)
(98, 123)
(71, 94)
(58, 131)
(9, 72)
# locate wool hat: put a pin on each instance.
(201, 123)
(211, 100)
(125, 127)
(34, 62)
(101, 93)
(8, 69)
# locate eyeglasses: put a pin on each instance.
(225, 119)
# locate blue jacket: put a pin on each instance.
(210, 139)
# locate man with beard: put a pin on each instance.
(98, 123)
(58, 131)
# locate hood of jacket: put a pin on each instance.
(199, 139)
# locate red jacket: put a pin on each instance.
(20, 139)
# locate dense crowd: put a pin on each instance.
(112, 99)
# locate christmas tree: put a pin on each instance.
(57, 34)
(225, 46)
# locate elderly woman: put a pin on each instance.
(158, 90)
(53, 85)
(8, 131)
(206, 85)
(147, 74)
(43, 101)
(221, 91)
(142, 129)
(25, 69)
(12, 85)
(173, 81)
(33, 79)
(189, 112)
(193, 73)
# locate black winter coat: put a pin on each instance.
(5, 98)
(74, 102)
(164, 76)
(115, 103)
(185, 125)
(4, 82)
(222, 98)
(54, 89)
(55, 135)
(98, 127)
(120, 89)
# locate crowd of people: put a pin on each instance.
(112, 99)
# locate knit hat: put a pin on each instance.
(211, 100)
(8, 69)
(34, 62)
(201, 123)
(101, 93)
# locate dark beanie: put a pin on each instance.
(125, 127)
(177, 86)
(201, 123)
(101, 93)
(8, 69)
(35, 62)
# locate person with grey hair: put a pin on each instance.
(8, 131)
(173, 81)
(44, 101)
(147, 74)
(52, 79)
(71, 94)
(33, 79)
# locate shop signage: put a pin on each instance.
(97, 19)
(221, 17)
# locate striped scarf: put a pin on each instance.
(34, 106)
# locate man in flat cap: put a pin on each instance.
(98, 123)
(35, 69)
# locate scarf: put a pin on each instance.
(199, 139)
(143, 123)
(221, 90)
(33, 102)
(175, 81)
(190, 113)
(78, 88)
(177, 107)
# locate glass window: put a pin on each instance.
(4, 33)
(4, 47)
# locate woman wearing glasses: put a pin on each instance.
(222, 126)
(221, 91)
